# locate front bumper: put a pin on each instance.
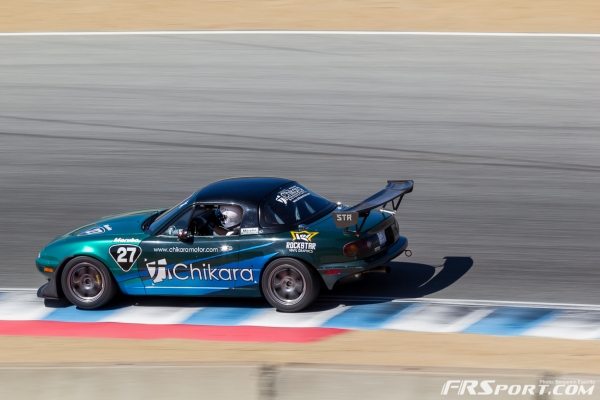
(49, 290)
(357, 266)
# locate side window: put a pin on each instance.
(181, 222)
(203, 220)
(291, 205)
(216, 220)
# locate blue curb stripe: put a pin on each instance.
(511, 321)
(367, 316)
(73, 314)
(222, 316)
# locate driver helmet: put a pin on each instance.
(231, 216)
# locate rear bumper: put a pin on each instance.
(345, 269)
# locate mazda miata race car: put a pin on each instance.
(245, 237)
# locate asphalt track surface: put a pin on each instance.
(500, 134)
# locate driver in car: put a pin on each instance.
(230, 218)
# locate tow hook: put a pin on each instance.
(407, 253)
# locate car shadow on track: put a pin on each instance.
(405, 280)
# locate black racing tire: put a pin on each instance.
(87, 283)
(290, 285)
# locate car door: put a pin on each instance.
(198, 263)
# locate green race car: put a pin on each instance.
(246, 237)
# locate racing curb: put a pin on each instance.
(23, 314)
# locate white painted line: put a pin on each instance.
(437, 318)
(22, 306)
(151, 315)
(431, 300)
(308, 32)
(469, 302)
(272, 317)
(568, 325)
(466, 302)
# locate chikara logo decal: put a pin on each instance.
(96, 230)
(292, 194)
(302, 242)
(125, 256)
(158, 272)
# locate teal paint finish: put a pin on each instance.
(146, 261)
(95, 240)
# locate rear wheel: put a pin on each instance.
(289, 285)
(87, 283)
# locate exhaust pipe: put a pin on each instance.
(384, 269)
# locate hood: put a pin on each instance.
(122, 224)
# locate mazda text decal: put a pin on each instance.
(159, 271)
(302, 242)
(126, 240)
(125, 255)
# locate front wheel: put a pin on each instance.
(87, 283)
(289, 285)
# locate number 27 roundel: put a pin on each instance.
(125, 255)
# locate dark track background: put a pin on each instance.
(501, 135)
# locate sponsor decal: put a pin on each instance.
(159, 272)
(196, 250)
(345, 219)
(544, 388)
(125, 256)
(303, 236)
(96, 230)
(126, 240)
(301, 242)
(293, 194)
(249, 231)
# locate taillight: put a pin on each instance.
(362, 247)
(351, 249)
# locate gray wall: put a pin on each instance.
(260, 382)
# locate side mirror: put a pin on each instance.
(184, 235)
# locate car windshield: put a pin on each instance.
(167, 215)
(292, 205)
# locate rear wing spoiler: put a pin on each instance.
(391, 195)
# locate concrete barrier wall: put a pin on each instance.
(261, 382)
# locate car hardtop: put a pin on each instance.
(246, 191)
(250, 193)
